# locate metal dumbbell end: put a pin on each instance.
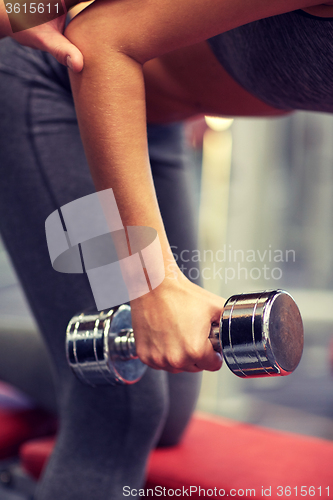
(260, 334)
(100, 347)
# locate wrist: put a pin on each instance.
(174, 281)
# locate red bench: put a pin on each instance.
(18, 426)
(219, 457)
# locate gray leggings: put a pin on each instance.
(105, 434)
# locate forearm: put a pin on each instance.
(109, 98)
(110, 103)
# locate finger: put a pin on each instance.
(189, 368)
(65, 52)
(193, 369)
(210, 359)
(218, 306)
(74, 59)
(165, 365)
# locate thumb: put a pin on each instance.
(66, 53)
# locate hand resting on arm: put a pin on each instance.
(47, 37)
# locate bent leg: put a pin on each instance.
(106, 433)
(173, 185)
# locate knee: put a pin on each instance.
(132, 415)
(184, 390)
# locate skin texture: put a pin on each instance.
(134, 48)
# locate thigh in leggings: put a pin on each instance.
(105, 433)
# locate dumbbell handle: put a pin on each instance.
(125, 348)
(214, 337)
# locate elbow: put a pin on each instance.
(100, 31)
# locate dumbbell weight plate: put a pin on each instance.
(261, 334)
(96, 352)
(127, 367)
(85, 346)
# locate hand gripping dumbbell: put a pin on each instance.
(259, 334)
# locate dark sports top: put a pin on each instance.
(286, 60)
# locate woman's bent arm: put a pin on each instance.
(114, 134)
(117, 38)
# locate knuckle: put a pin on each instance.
(175, 371)
(142, 354)
(158, 361)
(154, 360)
(196, 352)
(176, 361)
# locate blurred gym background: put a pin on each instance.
(265, 221)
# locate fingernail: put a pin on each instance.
(69, 63)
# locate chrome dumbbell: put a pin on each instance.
(259, 334)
